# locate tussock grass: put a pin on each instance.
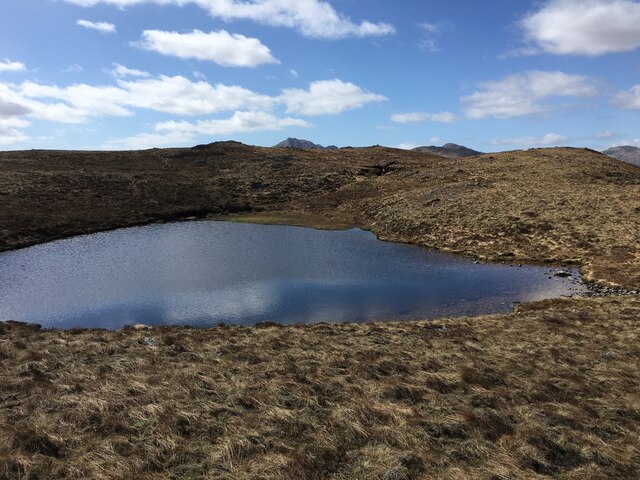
(549, 391)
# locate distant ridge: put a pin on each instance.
(298, 143)
(449, 150)
(625, 153)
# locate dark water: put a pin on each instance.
(204, 273)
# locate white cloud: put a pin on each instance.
(149, 140)
(327, 97)
(628, 100)
(8, 66)
(180, 96)
(9, 126)
(240, 122)
(584, 27)
(75, 68)
(407, 146)
(524, 94)
(11, 135)
(9, 108)
(419, 117)
(633, 143)
(546, 140)
(430, 32)
(173, 133)
(78, 101)
(223, 48)
(102, 27)
(312, 18)
(606, 135)
(174, 95)
(120, 71)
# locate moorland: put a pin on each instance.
(551, 390)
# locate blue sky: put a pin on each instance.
(127, 74)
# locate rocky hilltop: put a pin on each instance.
(626, 153)
(449, 150)
(299, 143)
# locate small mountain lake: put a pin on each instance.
(206, 273)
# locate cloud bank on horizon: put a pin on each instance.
(148, 73)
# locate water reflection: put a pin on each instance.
(203, 273)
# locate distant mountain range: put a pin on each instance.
(449, 150)
(298, 143)
(626, 154)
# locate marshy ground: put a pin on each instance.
(550, 390)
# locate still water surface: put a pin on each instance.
(205, 273)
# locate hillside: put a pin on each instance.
(627, 154)
(449, 150)
(297, 143)
(547, 391)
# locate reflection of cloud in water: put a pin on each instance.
(225, 305)
(209, 272)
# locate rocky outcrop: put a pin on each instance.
(449, 150)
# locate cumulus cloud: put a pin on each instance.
(628, 100)
(173, 132)
(175, 95)
(544, 141)
(583, 27)
(120, 71)
(524, 94)
(327, 97)
(9, 108)
(312, 18)
(223, 48)
(240, 122)
(419, 117)
(8, 66)
(102, 27)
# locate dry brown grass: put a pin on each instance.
(552, 390)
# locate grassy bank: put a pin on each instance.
(552, 390)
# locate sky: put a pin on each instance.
(491, 75)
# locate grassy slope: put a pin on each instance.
(549, 391)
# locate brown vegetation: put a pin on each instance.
(550, 390)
